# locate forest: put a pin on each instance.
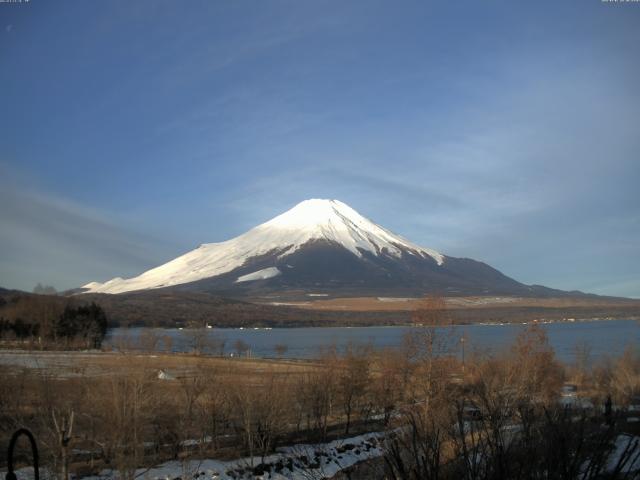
(49, 322)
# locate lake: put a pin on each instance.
(604, 337)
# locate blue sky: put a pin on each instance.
(503, 131)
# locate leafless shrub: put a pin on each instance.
(506, 422)
(281, 349)
(126, 407)
(260, 414)
(241, 347)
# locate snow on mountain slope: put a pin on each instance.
(263, 274)
(310, 220)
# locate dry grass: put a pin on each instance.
(402, 304)
(67, 364)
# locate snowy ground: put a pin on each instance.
(622, 443)
(298, 462)
(63, 364)
(472, 301)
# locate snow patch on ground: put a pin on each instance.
(481, 300)
(299, 462)
(622, 442)
(288, 304)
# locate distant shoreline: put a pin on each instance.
(399, 325)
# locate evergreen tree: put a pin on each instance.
(86, 322)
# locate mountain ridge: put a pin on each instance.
(325, 246)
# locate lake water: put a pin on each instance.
(604, 337)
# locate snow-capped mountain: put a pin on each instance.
(319, 245)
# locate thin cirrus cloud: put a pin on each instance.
(53, 241)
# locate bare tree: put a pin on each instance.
(149, 341)
(167, 342)
(260, 413)
(415, 448)
(241, 347)
(427, 345)
(320, 393)
(213, 412)
(386, 389)
(217, 344)
(63, 424)
(353, 380)
(198, 339)
(191, 388)
(58, 403)
(536, 373)
(281, 349)
(625, 375)
(125, 407)
(431, 311)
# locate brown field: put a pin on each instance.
(299, 309)
(82, 364)
(404, 304)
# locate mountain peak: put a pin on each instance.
(312, 220)
(337, 222)
(315, 211)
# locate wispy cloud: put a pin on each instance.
(49, 239)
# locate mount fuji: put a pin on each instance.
(321, 246)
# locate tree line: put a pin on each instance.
(51, 322)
